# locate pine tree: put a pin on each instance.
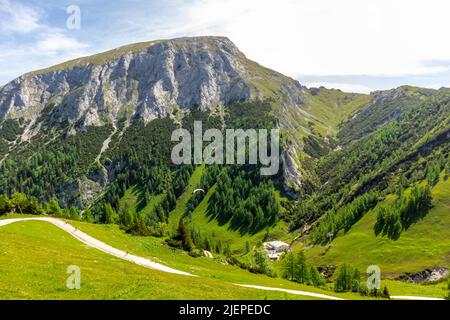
(127, 216)
(343, 281)
(317, 279)
(53, 207)
(302, 272)
(355, 280)
(140, 227)
(447, 168)
(227, 250)
(289, 267)
(110, 214)
(184, 235)
(433, 171)
(262, 262)
(386, 293)
(219, 247)
(87, 216)
(247, 247)
(73, 213)
(5, 204)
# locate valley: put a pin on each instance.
(363, 180)
(204, 267)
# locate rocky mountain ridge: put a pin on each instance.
(147, 81)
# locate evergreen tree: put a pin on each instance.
(447, 168)
(140, 227)
(5, 204)
(386, 293)
(433, 170)
(343, 281)
(184, 235)
(88, 216)
(355, 280)
(301, 272)
(289, 267)
(127, 216)
(110, 214)
(317, 279)
(262, 263)
(53, 207)
(219, 247)
(73, 213)
(247, 247)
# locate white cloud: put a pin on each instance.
(54, 41)
(309, 39)
(28, 43)
(15, 17)
(328, 37)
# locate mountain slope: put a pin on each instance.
(399, 141)
(35, 261)
(94, 136)
(424, 245)
(123, 87)
(35, 243)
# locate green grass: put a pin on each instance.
(153, 248)
(29, 272)
(176, 214)
(210, 227)
(35, 256)
(131, 199)
(399, 288)
(331, 107)
(424, 245)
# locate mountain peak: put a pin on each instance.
(104, 57)
(145, 80)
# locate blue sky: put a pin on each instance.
(353, 45)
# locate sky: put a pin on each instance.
(353, 45)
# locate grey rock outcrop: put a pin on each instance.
(152, 81)
(148, 80)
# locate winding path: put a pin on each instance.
(296, 292)
(414, 298)
(97, 244)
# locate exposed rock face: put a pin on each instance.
(427, 276)
(291, 172)
(147, 81)
(154, 81)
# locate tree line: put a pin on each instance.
(349, 279)
(296, 268)
(20, 203)
(394, 217)
(343, 218)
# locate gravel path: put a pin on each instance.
(94, 243)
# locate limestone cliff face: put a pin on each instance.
(146, 80)
(150, 80)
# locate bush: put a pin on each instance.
(261, 263)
